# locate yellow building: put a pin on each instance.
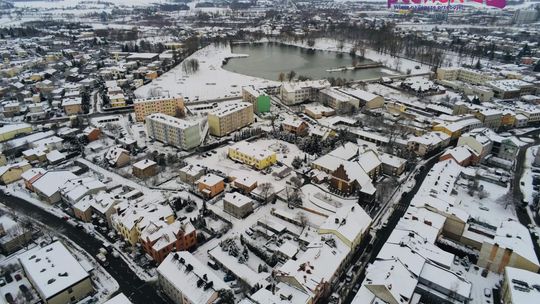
(172, 106)
(3, 160)
(229, 118)
(41, 266)
(252, 155)
(8, 132)
(131, 221)
(508, 119)
(117, 100)
(11, 173)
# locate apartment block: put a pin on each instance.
(172, 106)
(173, 131)
(252, 155)
(230, 117)
(259, 99)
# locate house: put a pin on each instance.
(131, 220)
(75, 189)
(56, 275)
(12, 172)
(244, 183)
(190, 174)
(117, 157)
(184, 279)
(318, 112)
(295, 126)
(252, 155)
(13, 235)
(30, 176)
(350, 224)
(36, 154)
(72, 106)
(211, 185)
(8, 132)
(478, 143)
(237, 205)
(427, 143)
(159, 238)
(145, 168)
(47, 186)
(55, 157)
(100, 205)
(459, 154)
(92, 133)
(391, 164)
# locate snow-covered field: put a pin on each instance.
(491, 209)
(211, 81)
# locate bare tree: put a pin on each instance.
(302, 219)
(281, 77)
(266, 190)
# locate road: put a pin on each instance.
(137, 290)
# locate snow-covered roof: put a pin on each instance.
(393, 276)
(162, 234)
(318, 264)
(523, 285)
(281, 295)
(192, 170)
(14, 127)
(430, 139)
(52, 269)
(118, 299)
(171, 121)
(226, 109)
(71, 101)
(55, 156)
(252, 150)
(346, 151)
(210, 179)
(516, 237)
(114, 153)
(360, 94)
(449, 280)
(176, 271)
(349, 222)
(460, 153)
(7, 167)
(293, 122)
(51, 182)
(76, 188)
(237, 199)
(144, 163)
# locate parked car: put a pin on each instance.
(487, 292)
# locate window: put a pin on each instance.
(70, 290)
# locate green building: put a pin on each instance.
(259, 99)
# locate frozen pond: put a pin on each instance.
(268, 60)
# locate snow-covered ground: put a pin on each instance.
(211, 81)
(526, 182)
(492, 209)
